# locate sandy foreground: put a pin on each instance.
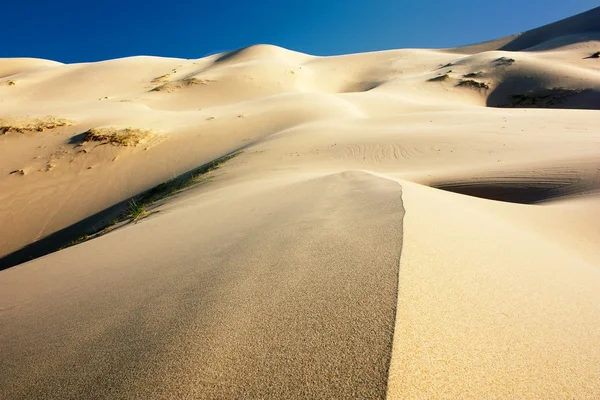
(406, 224)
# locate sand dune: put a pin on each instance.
(496, 307)
(319, 317)
(405, 224)
(580, 28)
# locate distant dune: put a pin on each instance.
(262, 223)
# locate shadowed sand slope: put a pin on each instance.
(291, 295)
(276, 275)
(584, 26)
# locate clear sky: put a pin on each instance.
(91, 30)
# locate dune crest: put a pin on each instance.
(410, 223)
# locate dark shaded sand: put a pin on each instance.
(289, 292)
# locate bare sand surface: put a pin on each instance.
(276, 274)
(276, 299)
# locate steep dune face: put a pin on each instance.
(492, 305)
(201, 109)
(583, 25)
(264, 196)
(286, 328)
(575, 29)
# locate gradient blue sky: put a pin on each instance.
(73, 31)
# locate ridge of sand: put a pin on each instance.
(580, 26)
(234, 109)
(291, 326)
(485, 313)
(497, 286)
(13, 66)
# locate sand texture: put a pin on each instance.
(404, 224)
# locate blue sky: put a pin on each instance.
(88, 30)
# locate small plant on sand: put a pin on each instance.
(162, 78)
(195, 81)
(177, 184)
(136, 210)
(25, 125)
(544, 98)
(472, 75)
(139, 206)
(170, 86)
(73, 242)
(473, 84)
(504, 61)
(595, 55)
(117, 137)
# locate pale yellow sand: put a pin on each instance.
(246, 300)
(492, 306)
(496, 299)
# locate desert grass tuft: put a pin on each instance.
(25, 125)
(474, 84)
(74, 242)
(162, 78)
(117, 137)
(169, 86)
(503, 61)
(543, 97)
(139, 206)
(136, 210)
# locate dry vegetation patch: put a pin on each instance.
(38, 124)
(474, 84)
(138, 207)
(172, 85)
(117, 136)
(503, 61)
(162, 78)
(543, 97)
(196, 81)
